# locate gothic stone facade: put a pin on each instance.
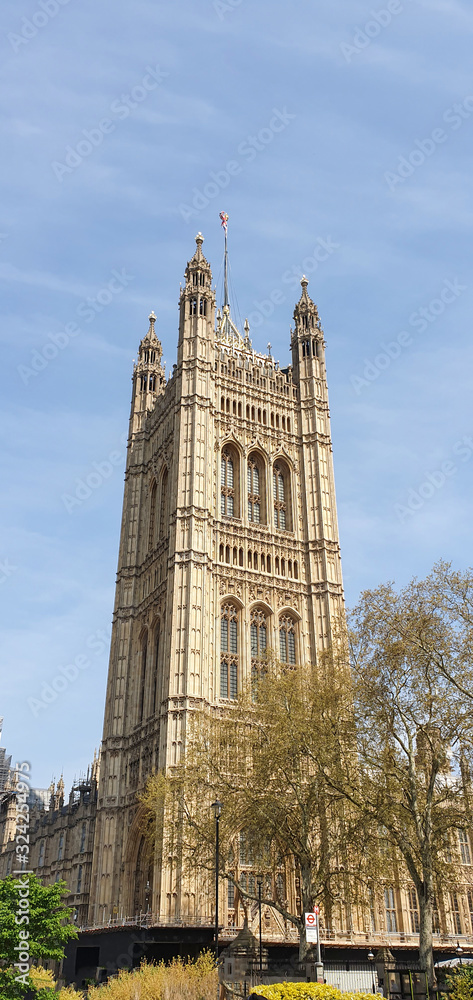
(229, 546)
(229, 538)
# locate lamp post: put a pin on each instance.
(260, 931)
(371, 959)
(459, 951)
(217, 810)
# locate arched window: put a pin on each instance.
(281, 497)
(152, 516)
(287, 640)
(141, 695)
(227, 481)
(163, 508)
(157, 637)
(259, 643)
(229, 652)
(254, 489)
(82, 838)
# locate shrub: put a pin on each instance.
(194, 980)
(307, 991)
(460, 983)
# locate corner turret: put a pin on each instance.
(149, 377)
(307, 338)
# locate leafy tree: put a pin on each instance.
(254, 756)
(33, 920)
(460, 983)
(408, 732)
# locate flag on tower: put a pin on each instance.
(224, 220)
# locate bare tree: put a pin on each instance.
(408, 731)
(262, 758)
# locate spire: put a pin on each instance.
(304, 283)
(307, 338)
(198, 273)
(148, 374)
(150, 340)
(306, 314)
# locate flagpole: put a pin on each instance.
(225, 292)
(224, 220)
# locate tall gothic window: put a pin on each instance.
(157, 636)
(280, 498)
(152, 516)
(287, 640)
(163, 507)
(414, 909)
(227, 481)
(390, 910)
(456, 915)
(254, 491)
(469, 897)
(464, 843)
(143, 655)
(259, 642)
(229, 652)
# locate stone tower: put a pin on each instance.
(229, 546)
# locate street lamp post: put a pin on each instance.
(260, 931)
(217, 810)
(371, 959)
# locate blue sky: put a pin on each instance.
(346, 125)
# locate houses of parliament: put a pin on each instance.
(229, 545)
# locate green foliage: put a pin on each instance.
(460, 983)
(306, 991)
(46, 920)
(33, 918)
